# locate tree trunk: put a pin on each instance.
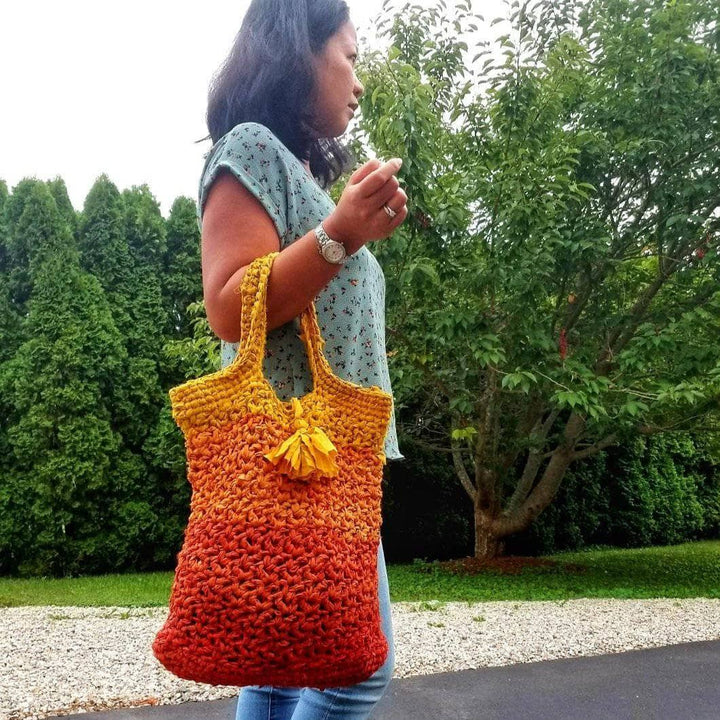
(487, 545)
(494, 520)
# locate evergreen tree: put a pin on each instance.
(9, 315)
(9, 341)
(145, 229)
(123, 243)
(182, 277)
(133, 291)
(67, 462)
(190, 350)
(18, 245)
(58, 190)
(3, 227)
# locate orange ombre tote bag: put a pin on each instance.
(276, 581)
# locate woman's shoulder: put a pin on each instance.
(254, 137)
(255, 156)
(255, 149)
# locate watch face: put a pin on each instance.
(334, 252)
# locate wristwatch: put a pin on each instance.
(332, 250)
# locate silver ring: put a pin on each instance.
(390, 212)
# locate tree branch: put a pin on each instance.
(486, 480)
(470, 489)
(623, 333)
(595, 449)
(530, 421)
(711, 407)
(532, 465)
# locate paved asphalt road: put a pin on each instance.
(679, 682)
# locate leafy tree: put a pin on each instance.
(653, 490)
(565, 194)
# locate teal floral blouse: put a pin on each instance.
(351, 308)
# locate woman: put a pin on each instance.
(286, 92)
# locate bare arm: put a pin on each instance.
(236, 230)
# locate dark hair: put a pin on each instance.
(268, 78)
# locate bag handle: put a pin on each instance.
(253, 325)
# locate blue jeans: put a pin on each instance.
(267, 702)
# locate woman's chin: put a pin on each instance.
(343, 130)
(329, 130)
(334, 134)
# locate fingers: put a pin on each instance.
(359, 216)
(395, 198)
(363, 171)
(390, 194)
(378, 177)
(399, 218)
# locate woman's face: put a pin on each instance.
(337, 89)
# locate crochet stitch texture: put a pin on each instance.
(276, 580)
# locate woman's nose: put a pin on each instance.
(358, 90)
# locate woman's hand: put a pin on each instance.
(361, 215)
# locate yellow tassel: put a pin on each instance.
(306, 451)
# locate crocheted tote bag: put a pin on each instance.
(276, 581)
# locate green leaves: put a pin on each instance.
(523, 378)
(633, 408)
(544, 182)
(466, 433)
(422, 273)
(487, 350)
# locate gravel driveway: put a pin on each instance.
(62, 660)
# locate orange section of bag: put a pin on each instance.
(315, 606)
(232, 480)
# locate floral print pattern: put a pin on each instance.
(350, 308)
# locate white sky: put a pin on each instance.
(91, 86)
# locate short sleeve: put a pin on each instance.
(258, 160)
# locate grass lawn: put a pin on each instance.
(678, 571)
